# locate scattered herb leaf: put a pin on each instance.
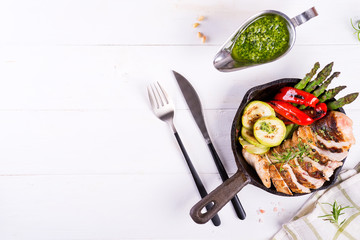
(335, 214)
(357, 29)
(298, 152)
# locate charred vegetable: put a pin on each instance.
(291, 112)
(331, 93)
(342, 101)
(248, 135)
(293, 95)
(324, 86)
(302, 84)
(252, 148)
(321, 92)
(317, 112)
(269, 131)
(255, 110)
(323, 74)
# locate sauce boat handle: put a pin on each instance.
(304, 17)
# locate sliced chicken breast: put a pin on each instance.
(317, 170)
(303, 177)
(261, 164)
(335, 154)
(330, 168)
(286, 171)
(335, 126)
(289, 177)
(278, 181)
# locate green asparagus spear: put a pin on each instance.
(308, 77)
(322, 75)
(342, 101)
(329, 94)
(323, 86)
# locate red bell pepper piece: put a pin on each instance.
(291, 112)
(318, 112)
(286, 121)
(293, 95)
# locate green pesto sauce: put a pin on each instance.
(264, 40)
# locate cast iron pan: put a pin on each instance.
(245, 173)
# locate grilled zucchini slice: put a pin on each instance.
(252, 148)
(248, 136)
(255, 110)
(269, 131)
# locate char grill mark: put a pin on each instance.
(330, 144)
(290, 179)
(328, 128)
(286, 169)
(310, 168)
(303, 177)
(321, 154)
(302, 137)
(321, 145)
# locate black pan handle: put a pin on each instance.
(240, 212)
(219, 197)
(200, 186)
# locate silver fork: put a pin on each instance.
(163, 108)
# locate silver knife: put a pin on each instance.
(193, 101)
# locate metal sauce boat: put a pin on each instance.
(223, 60)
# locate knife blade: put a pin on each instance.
(193, 101)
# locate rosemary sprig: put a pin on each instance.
(335, 213)
(356, 29)
(298, 152)
(284, 158)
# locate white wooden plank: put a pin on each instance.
(81, 154)
(116, 142)
(116, 77)
(160, 21)
(154, 206)
(99, 142)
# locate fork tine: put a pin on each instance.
(166, 97)
(159, 95)
(151, 97)
(154, 95)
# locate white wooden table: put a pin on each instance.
(81, 154)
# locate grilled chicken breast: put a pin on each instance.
(309, 158)
(261, 165)
(278, 181)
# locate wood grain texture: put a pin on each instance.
(115, 77)
(81, 154)
(96, 206)
(161, 22)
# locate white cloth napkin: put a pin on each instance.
(307, 225)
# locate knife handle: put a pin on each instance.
(240, 212)
(200, 186)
